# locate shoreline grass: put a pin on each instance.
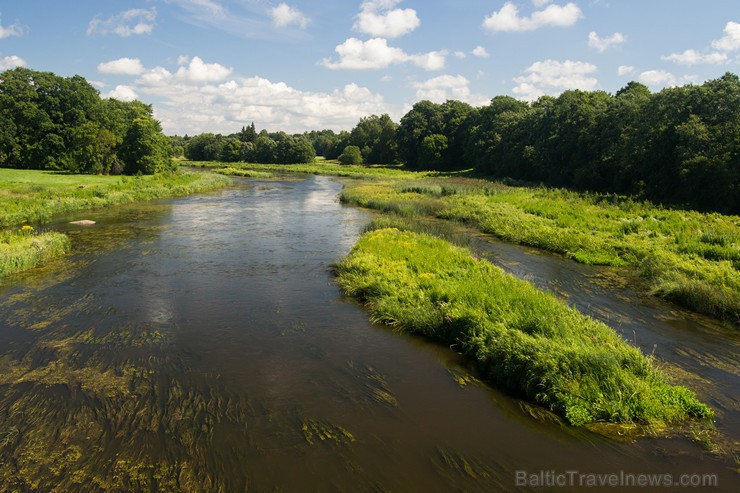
(32, 197)
(23, 249)
(521, 339)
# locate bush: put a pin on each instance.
(351, 155)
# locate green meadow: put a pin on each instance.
(30, 198)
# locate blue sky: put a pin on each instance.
(216, 65)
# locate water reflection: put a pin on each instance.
(200, 345)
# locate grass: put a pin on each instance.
(520, 338)
(30, 197)
(24, 248)
(690, 258)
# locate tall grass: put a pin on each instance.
(520, 338)
(685, 256)
(23, 249)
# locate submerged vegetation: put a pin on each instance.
(520, 338)
(30, 196)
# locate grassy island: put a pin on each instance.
(520, 338)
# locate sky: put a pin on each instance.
(298, 65)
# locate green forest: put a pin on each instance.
(61, 123)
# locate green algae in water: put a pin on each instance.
(317, 431)
(374, 384)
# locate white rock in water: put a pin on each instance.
(84, 222)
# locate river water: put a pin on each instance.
(200, 344)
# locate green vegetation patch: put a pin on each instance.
(31, 196)
(690, 258)
(522, 339)
(24, 248)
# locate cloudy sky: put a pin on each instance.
(216, 65)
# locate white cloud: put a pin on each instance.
(378, 18)
(603, 44)
(199, 71)
(201, 7)
(122, 93)
(540, 3)
(481, 52)
(440, 89)
(284, 15)
(731, 40)
(508, 19)
(122, 66)
(693, 57)
(227, 106)
(12, 30)
(206, 97)
(553, 77)
(434, 60)
(11, 62)
(461, 55)
(375, 53)
(623, 70)
(128, 23)
(657, 78)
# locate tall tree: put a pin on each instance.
(145, 149)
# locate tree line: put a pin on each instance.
(246, 145)
(56, 123)
(679, 146)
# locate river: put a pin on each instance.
(200, 344)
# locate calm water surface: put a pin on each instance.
(200, 344)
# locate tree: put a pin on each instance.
(231, 150)
(322, 141)
(52, 122)
(145, 149)
(351, 155)
(248, 134)
(433, 151)
(425, 118)
(264, 149)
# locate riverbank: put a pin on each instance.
(689, 258)
(30, 198)
(520, 338)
